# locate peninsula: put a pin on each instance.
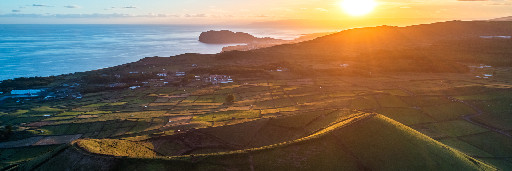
(249, 41)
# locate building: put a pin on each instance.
(344, 65)
(219, 79)
(27, 93)
(281, 69)
(162, 74)
(180, 74)
(117, 85)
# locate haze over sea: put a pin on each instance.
(44, 50)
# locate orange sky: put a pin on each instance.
(320, 12)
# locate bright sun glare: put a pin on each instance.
(358, 7)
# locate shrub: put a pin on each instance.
(6, 132)
(230, 98)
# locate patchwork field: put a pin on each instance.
(147, 119)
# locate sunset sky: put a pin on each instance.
(241, 12)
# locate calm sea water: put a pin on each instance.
(44, 50)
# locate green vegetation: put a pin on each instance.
(390, 101)
(26, 83)
(227, 115)
(491, 142)
(497, 111)
(46, 109)
(455, 128)
(321, 112)
(5, 132)
(365, 141)
(117, 147)
(367, 102)
(465, 147)
(340, 145)
(230, 98)
(407, 116)
(17, 155)
(448, 111)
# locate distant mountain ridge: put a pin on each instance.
(410, 48)
(509, 18)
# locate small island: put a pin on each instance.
(226, 36)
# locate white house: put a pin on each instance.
(222, 79)
(180, 74)
(162, 74)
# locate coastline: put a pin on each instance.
(73, 50)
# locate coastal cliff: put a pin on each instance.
(250, 42)
(226, 36)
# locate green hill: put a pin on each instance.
(356, 142)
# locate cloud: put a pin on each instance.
(158, 15)
(111, 8)
(72, 6)
(114, 15)
(126, 7)
(195, 15)
(321, 10)
(503, 3)
(262, 16)
(492, 2)
(129, 7)
(21, 15)
(64, 15)
(16, 11)
(40, 5)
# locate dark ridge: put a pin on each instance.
(226, 36)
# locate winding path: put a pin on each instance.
(478, 113)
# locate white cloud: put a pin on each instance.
(72, 6)
(41, 5)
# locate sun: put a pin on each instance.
(358, 7)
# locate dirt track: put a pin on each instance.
(40, 140)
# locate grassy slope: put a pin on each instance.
(380, 141)
(371, 142)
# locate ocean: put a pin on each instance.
(44, 50)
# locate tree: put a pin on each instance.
(188, 78)
(8, 129)
(6, 132)
(230, 98)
